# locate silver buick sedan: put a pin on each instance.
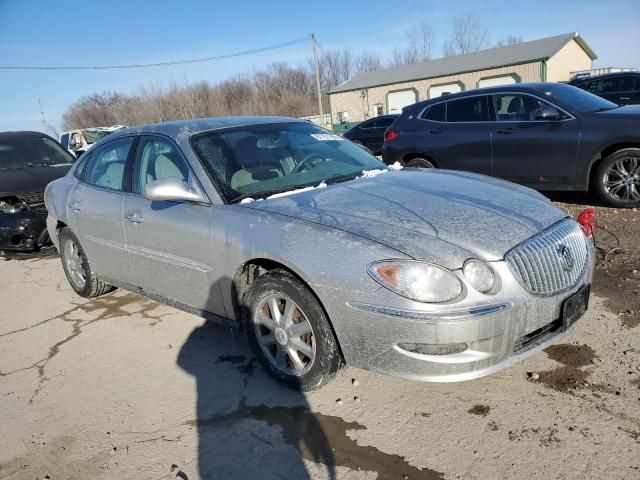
(319, 252)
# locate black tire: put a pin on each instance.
(420, 163)
(327, 359)
(608, 172)
(92, 287)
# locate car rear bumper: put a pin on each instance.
(454, 343)
(23, 232)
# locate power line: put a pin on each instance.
(161, 64)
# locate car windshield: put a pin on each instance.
(31, 152)
(578, 99)
(260, 160)
(92, 136)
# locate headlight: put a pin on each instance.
(11, 205)
(479, 275)
(419, 281)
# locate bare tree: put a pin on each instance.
(420, 41)
(368, 62)
(468, 35)
(510, 40)
(419, 46)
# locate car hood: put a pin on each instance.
(625, 111)
(433, 215)
(30, 179)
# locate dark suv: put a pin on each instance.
(622, 88)
(547, 136)
(370, 133)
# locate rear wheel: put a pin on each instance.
(290, 332)
(420, 163)
(617, 179)
(77, 268)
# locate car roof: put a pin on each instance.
(514, 87)
(198, 125)
(22, 134)
(604, 75)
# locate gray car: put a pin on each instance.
(320, 253)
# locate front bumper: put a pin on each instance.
(467, 340)
(23, 232)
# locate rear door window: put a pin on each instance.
(604, 85)
(367, 124)
(384, 122)
(108, 163)
(436, 113)
(472, 109)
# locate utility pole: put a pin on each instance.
(44, 122)
(317, 65)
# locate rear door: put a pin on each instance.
(169, 242)
(539, 153)
(608, 88)
(629, 90)
(95, 209)
(365, 133)
(456, 134)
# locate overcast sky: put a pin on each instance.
(70, 32)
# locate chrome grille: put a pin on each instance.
(35, 201)
(541, 263)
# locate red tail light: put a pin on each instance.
(390, 135)
(587, 219)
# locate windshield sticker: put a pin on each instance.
(326, 137)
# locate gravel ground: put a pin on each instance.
(121, 387)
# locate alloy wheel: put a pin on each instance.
(621, 180)
(74, 263)
(284, 334)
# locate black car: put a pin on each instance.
(28, 161)
(547, 136)
(622, 88)
(370, 133)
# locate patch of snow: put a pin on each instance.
(372, 173)
(247, 200)
(396, 166)
(298, 190)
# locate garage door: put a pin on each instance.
(439, 90)
(398, 100)
(495, 81)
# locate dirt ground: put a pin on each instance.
(121, 387)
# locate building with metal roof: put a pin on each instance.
(389, 90)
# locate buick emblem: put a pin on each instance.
(566, 257)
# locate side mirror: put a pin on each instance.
(171, 189)
(548, 113)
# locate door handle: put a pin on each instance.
(436, 131)
(625, 98)
(75, 206)
(506, 131)
(134, 218)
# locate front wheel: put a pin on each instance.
(617, 179)
(290, 332)
(77, 268)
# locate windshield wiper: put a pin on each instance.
(340, 178)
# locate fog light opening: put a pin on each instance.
(434, 349)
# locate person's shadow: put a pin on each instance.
(248, 425)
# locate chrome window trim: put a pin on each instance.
(570, 116)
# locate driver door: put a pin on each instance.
(538, 153)
(169, 242)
